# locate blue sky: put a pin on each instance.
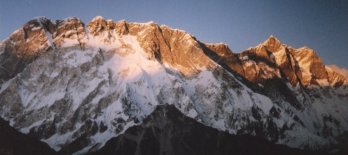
(319, 24)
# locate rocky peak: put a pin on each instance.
(170, 46)
(97, 19)
(274, 60)
(31, 38)
(43, 22)
(184, 50)
(24, 45)
(299, 66)
(72, 29)
(272, 44)
(34, 38)
(76, 98)
(40, 34)
(266, 50)
(311, 66)
(174, 47)
(98, 24)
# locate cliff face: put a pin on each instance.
(172, 47)
(34, 38)
(272, 59)
(271, 65)
(74, 86)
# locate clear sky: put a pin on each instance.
(319, 24)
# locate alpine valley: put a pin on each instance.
(131, 88)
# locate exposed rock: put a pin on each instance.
(87, 84)
(173, 47)
(222, 54)
(272, 44)
(72, 29)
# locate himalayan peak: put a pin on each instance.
(74, 85)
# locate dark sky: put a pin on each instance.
(318, 24)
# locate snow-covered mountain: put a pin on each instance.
(71, 84)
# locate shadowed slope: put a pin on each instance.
(13, 142)
(168, 132)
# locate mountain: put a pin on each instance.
(75, 86)
(168, 131)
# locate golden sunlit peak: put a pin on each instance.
(97, 18)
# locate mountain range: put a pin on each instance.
(142, 88)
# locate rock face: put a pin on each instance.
(74, 86)
(272, 59)
(172, 47)
(34, 38)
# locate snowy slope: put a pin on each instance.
(98, 81)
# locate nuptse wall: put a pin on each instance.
(63, 81)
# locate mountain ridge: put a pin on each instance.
(99, 24)
(63, 80)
